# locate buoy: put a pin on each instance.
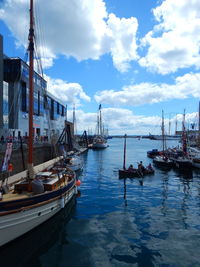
(78, 183)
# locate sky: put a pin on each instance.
(134, 57)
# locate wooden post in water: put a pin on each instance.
(124, 164)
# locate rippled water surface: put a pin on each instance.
(154, 222)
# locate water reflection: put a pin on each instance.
(125, 200)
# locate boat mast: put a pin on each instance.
(176, 124)
(74, 121)
(100, 120)
(184, 142)
(199, 127)
(163, 131)
(169, 125)
(31, 70)
(97, 123)
(124, 164)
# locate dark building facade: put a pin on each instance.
(49, 112)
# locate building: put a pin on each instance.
(49, 112)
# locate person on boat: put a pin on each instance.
(149, 167)
(141, 167)
(130, 168)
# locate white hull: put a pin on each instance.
(99, 145)
(16, 224)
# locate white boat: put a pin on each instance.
(99, 140)
(33, 196)
(22, 208)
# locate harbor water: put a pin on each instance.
(154, 221)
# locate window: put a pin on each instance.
(5, 104)
(58, 108)
(35, 103)
(24, 96)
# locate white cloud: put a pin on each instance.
(148, 93)
(120, 121)
(69, 93)
(174, 43)
(121, 35)
(78, 28)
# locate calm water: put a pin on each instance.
(119, 224)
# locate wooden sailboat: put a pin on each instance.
(183, 162)
(99, 141)
(132, 172)
(163, 161)
(34, 198)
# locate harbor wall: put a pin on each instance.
(41, 154)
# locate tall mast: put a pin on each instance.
(124, 163)
(169, 125)
(100, 121)
(31, 88)
(199, 127)
(163, 131)
(184, 141)
(176, 124)
(74, 120)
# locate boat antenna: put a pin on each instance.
(124, 164)
(31, 70)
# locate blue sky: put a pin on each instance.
(135, 57)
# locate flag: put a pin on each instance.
(7, 157)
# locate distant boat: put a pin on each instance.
(163, 161)
(153, 153)
(183, 160)
(99, 142)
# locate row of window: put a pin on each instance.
(41, 103)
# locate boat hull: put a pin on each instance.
(134, 174)
(16, 222)
(160, 162)
(196, 163)
(99, 146)
(181, 164)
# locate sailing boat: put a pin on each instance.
(133, 172)
(183, 162)
(163, 160)
(99, 141)
(34, 198)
